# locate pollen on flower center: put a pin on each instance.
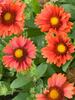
(7, 16)
(54, 20)
(53, 94)
(61, 48)
(19, 53)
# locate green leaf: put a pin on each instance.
(71, 9)
(41, 69)
(32, 32)
(36, 6)
(21, 96)
(39, 41)
(39, 86)
(50, 70)
(73, 98)
(29, 23)
(27, 1)
(65, 66)
(21, 81)
(72, 34)
(68, 1)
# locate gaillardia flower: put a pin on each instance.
(11, 17)
(53, 18)
(19, 53)
(2, 1)
(58, 50)
(58, 88)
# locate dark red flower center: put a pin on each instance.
(8, 17)
(55, 93)
(54, 22)
(61, 48)
(20, 54)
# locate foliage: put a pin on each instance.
(28, 84)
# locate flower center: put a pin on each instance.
(54, 20)
(19, 53)
(54, 94)
(7, 16)
(61, 48)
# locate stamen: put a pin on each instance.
(19, 53)
(53, 94)
(7, 16)
(61, 48)
(54, 20)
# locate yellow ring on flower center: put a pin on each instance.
(54, 94)
(18, 53)
(7, 16)
(61, 48)
(54, 20)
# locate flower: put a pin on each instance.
(2, 1)
(58, 50)
(19, 53)
(53, 18)
(11, 17)
(58, 88)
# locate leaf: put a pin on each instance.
(68, 1)
(72, 34)
(36, 6)
(65, 67)
(41, 69)
(71, 9)
(21, 81)
(32, 32)
(39, 41)
(27, 1)
(21, 96)
(73, 98)
(29, 18)
(50, 70)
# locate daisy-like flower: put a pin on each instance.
(58, 88)
(58, 50)
(53, 18)
(11, 17)
(19, 53)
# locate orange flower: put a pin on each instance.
(58, 50)
(58, 88)
(19, 53)
(53, 18)
(11, 17)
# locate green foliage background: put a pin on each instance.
(28, 84)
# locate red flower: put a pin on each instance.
(2, 1)
(53, 18)
(11, 17)
(58, 50)
(58, 89)
(19, 53)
